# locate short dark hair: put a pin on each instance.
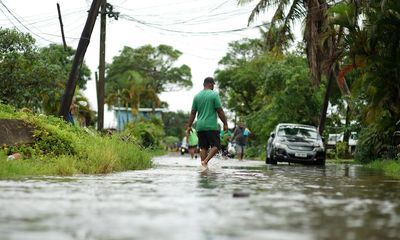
(209, 80)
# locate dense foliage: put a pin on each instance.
(353, 43)
(145, 133)
(174, 123)
(371, 50)
(267, 89)
(33, 77)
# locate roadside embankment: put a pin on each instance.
(389, 167)
(62, 149)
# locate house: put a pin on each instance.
(124, 115)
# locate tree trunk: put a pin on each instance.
(347, 125)
(324, 109)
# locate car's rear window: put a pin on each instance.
(288, 131)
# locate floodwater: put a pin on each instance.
(233, 200)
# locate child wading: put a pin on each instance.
(192, 141)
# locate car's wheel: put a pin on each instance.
(267, 160)
(320, 162)
(272, 159)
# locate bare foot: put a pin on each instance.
(204, 166)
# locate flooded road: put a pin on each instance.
(233, 200)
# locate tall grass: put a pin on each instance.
(389, 167)
(62, 149)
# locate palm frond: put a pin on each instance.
(261, 6)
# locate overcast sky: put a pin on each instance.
(200, 29)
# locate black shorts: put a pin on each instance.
(209, 139)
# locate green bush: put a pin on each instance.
(62, 149)
(342, 150)
(148, 134)
(254, 152)
(331, 154)
(374, 143)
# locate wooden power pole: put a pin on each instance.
(102, 63)
(78, 59)
(62, 27)
(106, 10)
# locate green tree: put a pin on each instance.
(239, 75)
(31, 77)
(174, 123)
(57, 63)
(280, 33)
(371, 53)
(287, 95)
(321, 48)
(267, 89)
(19, 85)
(146, 71)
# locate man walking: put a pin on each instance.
(207, 105)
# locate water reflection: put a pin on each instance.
(175, 201)
(208, 179)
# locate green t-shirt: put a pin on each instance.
(224, 137)
(193, 139)
(205, 103)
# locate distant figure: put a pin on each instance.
(240, 137)
(192, 141)
(72, 109)
(225, 136)
(207, 105)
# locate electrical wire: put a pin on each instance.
(147, 24)
(12, 14)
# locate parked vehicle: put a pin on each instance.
(295, 143)
(333, 139)
(353, 139)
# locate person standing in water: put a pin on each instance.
(192, 141)
(240, 137)
(207, 105)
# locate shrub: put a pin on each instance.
(147, 134)
(342, 150)
(253, 152)
(374, 143)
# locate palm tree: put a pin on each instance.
(280, 33)
(321, 48)
(134, 92)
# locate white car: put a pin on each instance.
(353, 139)
(333, 139)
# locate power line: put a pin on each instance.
(1, 2)
(147, 24)
(10, 20)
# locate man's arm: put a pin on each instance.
(192, 116)
(222, 116)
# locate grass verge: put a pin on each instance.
(389, 167)
(62, 149)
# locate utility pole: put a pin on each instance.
(102, 63)
(62, 27)
(106, 9)
(78, 59)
